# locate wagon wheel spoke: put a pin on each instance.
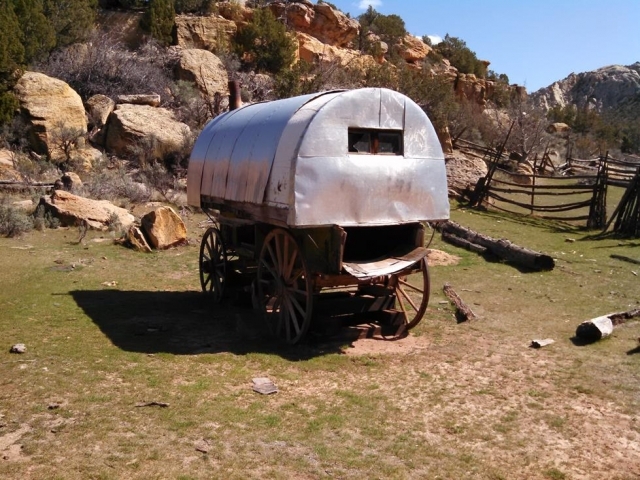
(414, 307)
(274, 258)
(269, 269)
(213, 264)
(292, 314)
(407, 297)
(283, 280)
(413, 287)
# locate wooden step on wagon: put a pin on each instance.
(319, 202)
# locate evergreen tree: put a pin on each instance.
(37, 34)
(264, 44)
(159, 20)
(72, 20)
(460, 56)
(11, 58)
(390, 28)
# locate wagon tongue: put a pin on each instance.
(385, 266)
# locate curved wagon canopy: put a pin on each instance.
(350, 158)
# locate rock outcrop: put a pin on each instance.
(129, 125)
(602, 89)
(164, 228)
(207, 33)
(463, 173)
(413, 50)
(73, 210)
(204, 69)
(312, 50)
(320, 20)
(50, 106)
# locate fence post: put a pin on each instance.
(598, 207)
(483, 183)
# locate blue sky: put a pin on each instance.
(535, 42)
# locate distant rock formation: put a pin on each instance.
(602, 89)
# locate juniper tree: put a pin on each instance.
(159, 20)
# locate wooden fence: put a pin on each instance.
(575, 191)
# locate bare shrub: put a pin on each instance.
(43, 219)
(177, 160)
(192, 107)
(116, 184)
(526, 122)
(144, 151)
(160, 179)
(104, 65)
(114, 224)
(34, 169)
(13, 222)
(65, 140)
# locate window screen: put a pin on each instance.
(377, 142)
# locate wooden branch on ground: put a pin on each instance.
(601, 327)
(463, 312)
(501, 248)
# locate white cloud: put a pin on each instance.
(364, 4)
(435, 39)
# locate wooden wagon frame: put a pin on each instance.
(320, 201)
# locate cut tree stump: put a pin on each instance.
(501, 248)
(601, 327)
(463, 312)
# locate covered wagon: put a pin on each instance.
(317, 198)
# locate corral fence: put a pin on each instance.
(576, 191)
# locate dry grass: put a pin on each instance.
(452, 401)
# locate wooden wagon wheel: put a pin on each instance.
(213, 264)
(412, 297)
(285, 291)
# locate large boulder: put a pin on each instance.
(129, 125)
(321, 21)
(99, 107)
(164, 228)
(73, 210)
(204, 69)
(211, 32)
(463, 173)
(51, 108)
(412, 49)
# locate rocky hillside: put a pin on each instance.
(609, 88)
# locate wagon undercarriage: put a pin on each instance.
(300, 276)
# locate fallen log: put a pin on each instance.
(501, 248)
(463, 312)
(601, 327)
(461, 242)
